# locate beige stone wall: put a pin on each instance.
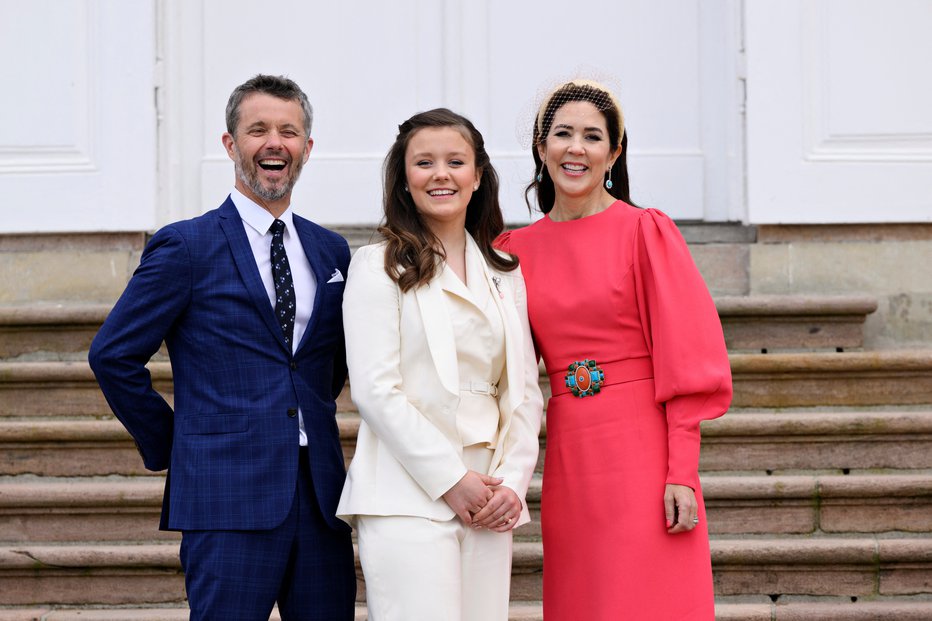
(62, 268)
(892, 262)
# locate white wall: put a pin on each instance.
(117, 114)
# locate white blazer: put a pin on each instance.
(404, 380)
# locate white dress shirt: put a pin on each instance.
(258, 223)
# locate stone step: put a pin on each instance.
(37, 509)
(520, 611)
(774, 322)
(889, 610)
(136, 574)
(774, 441)
(68, 388)
(61, 388)
(810, 504)
(761, 442)
(902, 377)
(49, 330)
(800, 504)
(753, 323)
(68, 448)
(34, 509)
(145, 574)
(863, 566)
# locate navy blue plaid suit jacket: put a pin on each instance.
(231, 443)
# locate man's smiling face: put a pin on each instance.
(268, 148)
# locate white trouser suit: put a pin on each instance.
(425, 564)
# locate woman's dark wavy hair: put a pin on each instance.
(412, 252)
(569, 92)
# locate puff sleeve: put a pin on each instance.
(503, 242)
(692, 374)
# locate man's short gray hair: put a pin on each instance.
(274, 85)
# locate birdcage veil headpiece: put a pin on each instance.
(598, 90)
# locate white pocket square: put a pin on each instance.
(336, 276)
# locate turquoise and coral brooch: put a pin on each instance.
(584, 379)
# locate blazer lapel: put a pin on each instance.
(232, 226)
(318, 262)
(514, 356)
(439, 334)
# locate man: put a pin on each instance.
(247, 298)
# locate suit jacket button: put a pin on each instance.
(294, 365)
(292, 412)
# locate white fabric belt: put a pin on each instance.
(480, 388)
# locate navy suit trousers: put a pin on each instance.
(303, 564)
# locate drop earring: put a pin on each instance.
(608, 179)
(540, 173)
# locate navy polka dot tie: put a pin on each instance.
(284, 286)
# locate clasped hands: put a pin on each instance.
(481, 501)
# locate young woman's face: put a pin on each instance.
(440, 165)
(577, 152)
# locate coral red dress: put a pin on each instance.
(620, 287)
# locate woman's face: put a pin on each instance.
(577, 150)
(440, 165)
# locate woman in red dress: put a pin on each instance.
(634, 349)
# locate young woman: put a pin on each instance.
(444, 374)
(634, 349)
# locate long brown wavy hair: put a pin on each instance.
(413, 253)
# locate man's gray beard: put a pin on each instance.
(268, 194)
(257, 189)
(255, 185)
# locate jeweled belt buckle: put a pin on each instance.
(585, 379)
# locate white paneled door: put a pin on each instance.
(113, 109)
(367, 66)
(77, 118)
(839, 111)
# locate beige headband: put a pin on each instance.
(609, 99)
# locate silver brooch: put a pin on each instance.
(498, 286)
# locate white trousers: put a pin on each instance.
(419, 569)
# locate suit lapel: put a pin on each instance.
(318, 262)
(439, 333)
(514, 358)
(441, 341)
(232, 226)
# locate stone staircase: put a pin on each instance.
(818, 483)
